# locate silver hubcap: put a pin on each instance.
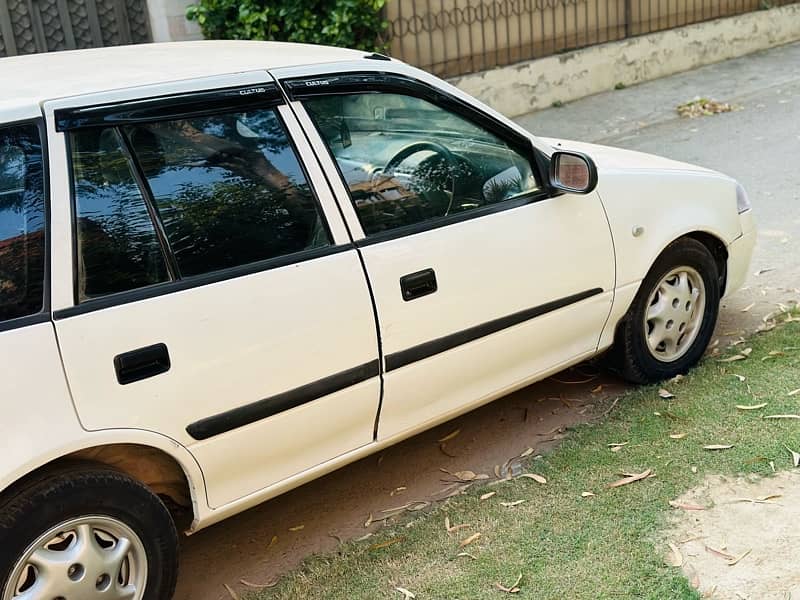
(674, 314)
(81, 559)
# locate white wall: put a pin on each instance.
(532, 85)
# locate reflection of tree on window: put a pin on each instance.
(228, 189)
(22, 244)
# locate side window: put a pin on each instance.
(228, 188)
(201, 194)
(407, 161)
(22, 222)
(118, 249)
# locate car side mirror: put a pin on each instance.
(572, 172)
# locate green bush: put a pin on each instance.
(348, 23)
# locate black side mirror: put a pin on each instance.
(572, 172)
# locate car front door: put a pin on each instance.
(217, 298)
(483, 279)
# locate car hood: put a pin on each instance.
(608, 158)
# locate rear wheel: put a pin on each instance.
(84, 532)
(672, 318)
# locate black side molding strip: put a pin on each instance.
(256, 411)
(448, 342)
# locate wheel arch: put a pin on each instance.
(169, 472)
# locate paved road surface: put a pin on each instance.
(759, 145)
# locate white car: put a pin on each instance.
(228, 268)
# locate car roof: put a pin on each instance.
(29, 80)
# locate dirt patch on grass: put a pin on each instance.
(744, 543)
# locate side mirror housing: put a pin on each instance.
(572, 172)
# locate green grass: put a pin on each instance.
(569, 547)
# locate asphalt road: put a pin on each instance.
(759, 144)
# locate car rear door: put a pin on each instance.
(482, 279)
(213, 294)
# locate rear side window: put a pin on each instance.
(228, 188)
(173, 199)
(22, 222)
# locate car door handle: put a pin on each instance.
(419, 284)
(142, 363)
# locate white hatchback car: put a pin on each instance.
(227, 268)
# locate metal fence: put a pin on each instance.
(28, 26)
(455, 37)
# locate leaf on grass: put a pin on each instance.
(794, 392)
(738, 558)
(617, 444)
(631, 478)
(677, 379)
(685, 506)
(535, 477)
(587, 495)
(513, 589)
(467, 554)
(387, 543)
(781, 417)
(469, 540)
(665, 394)
(795, 457)
(746, 352)
(449, 436)
(677, 436)
(733, 358)
(718, 447)
(406, 594)
(751, 406)
(487, 495)
(739, 377)
(675, 558)
(453, 528)
(512, 504)
(773, 354)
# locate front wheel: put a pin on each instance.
(672, 318)
(85, 531)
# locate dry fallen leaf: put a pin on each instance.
(597, 390)
(746, 352)
(406, 593)
(737, 559)
(469, 540)
(739, 377)
(665, 394)
(387, 543)
(685, 506)
(487, 495)
(233, 594)
(512, 504)
(273, 541)
(748, 307)
(260, 586)
(675, 558)
(453, 528)
(369, 520)
(465, 475)
(467, 554)
(677, 436)
(678, 378)
(587, 494)
(535, 477)
(631, 478)
(526, 452)
(751, 406)
(795, 457)
(449, 436)
(720, 553)
(718, 447)
(514, 589)
(297, 528)
(794, 392)
(781, 417)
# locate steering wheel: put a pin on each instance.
(414, 148)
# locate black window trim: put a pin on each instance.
(44, 315)
(183, 283)
(368, 82)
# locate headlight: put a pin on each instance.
(742, 201)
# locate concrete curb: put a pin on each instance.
(533, 85)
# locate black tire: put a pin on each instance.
(83, 489)
(631, 356)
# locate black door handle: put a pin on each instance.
(142, 363)
(416, 285)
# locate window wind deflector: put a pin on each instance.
(168, 107)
